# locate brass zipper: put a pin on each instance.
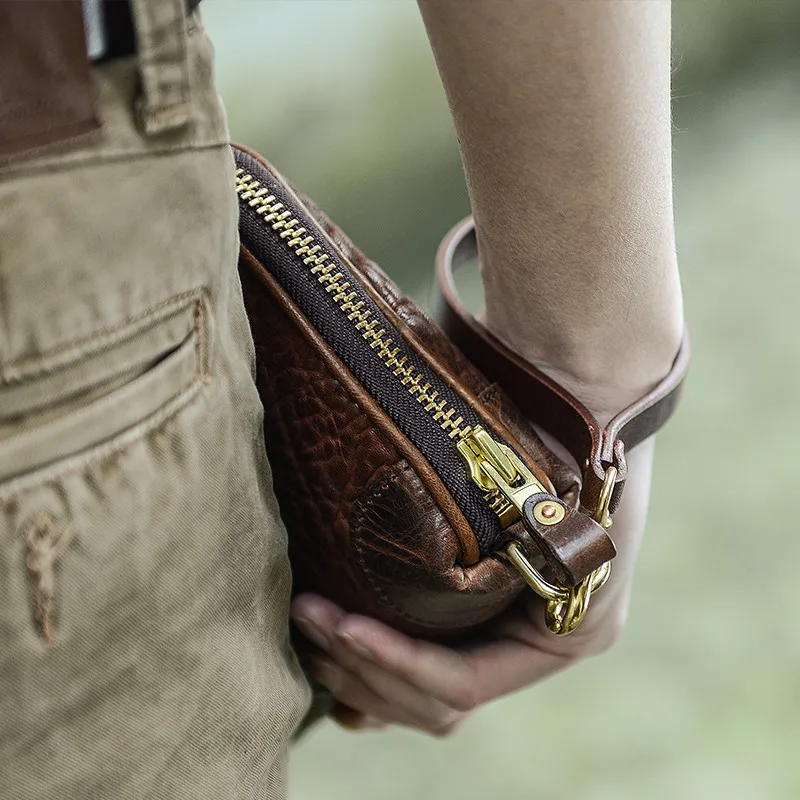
(500, 474)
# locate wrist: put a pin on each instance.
(606, 373)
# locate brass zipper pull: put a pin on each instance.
(500, 474)
(506, 484)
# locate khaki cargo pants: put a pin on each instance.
(144, 581)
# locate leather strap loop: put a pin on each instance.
(541, 398)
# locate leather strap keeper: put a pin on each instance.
(572, 548)
(540, 397)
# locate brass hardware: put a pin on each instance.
(601, 514)
(500, 474)
(548, 513)
(507, 483)
(566, 606)
(545, 590)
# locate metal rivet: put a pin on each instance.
(548, 512)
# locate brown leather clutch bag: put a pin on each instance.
(412, 488)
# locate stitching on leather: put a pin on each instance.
(105, 337)
(376, 490)
(375, 493)
(122, 441)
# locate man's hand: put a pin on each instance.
(389, 678)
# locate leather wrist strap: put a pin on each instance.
(541, 398)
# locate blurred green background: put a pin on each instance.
(701, 698)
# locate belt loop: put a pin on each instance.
(163, 63)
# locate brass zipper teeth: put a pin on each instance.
(305, 247)
(497, 502)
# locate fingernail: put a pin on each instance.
(312, 632)
(355, 646)
(327, 673)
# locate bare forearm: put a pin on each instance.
(563, 113)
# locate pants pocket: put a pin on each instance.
(93, 393)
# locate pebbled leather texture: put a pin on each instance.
(371, 525)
